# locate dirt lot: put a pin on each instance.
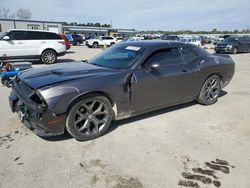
(160, 149)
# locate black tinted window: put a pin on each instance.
(166, 57)
(35, 35)
(17, 35)
(244, 39)
(188, 54)
(52, 36)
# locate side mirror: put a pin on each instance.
(6, 38)
(155, 66)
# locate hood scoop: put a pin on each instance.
(69, 72)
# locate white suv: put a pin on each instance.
(31, 44)
(100, 41)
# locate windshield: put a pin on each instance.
(2, 34)
(231, 39)
(117, 57)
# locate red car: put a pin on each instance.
(67, 43)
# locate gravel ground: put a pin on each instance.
(189, 145)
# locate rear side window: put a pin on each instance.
(188, 55)
(109, 38)
(35, 35)
(52, 36)
(166, 57)
(201, 52)
(17, 35)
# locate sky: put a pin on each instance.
(155, 15)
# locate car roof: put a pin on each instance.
(32, 30)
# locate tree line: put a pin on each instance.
(21, 13)
(214, 31)
(86, 24)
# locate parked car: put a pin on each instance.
(77, 40)
(67, 43)
(170, 37)
(233, 45)
(192, 40)
(69, 37)
(218, 40)
(119, 39)
(100, 41)
(31, 44)
(128, 79)
(133, 39)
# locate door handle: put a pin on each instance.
(20, 43)
(43, 42)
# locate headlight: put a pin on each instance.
(38, 98)
(229, 46)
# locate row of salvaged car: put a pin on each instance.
(228, 44)
(47, 46)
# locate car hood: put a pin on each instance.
(52, 74)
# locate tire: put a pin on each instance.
(210, 91)
(95, 45)
(235, 50)
(2, 81)
(111, 44)
(49, 57)
(89, 118)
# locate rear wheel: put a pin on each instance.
(89, 118)
(210, 91)
(49, 57)
(235, 50)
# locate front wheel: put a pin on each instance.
(235, 50)
(89, 118)
(49, 57)
(95, 45)
(210, 91)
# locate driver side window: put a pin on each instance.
(16, 35)
(166, 57)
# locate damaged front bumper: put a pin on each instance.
(41, 121)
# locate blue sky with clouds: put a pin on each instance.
(142, 14)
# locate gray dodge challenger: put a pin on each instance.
(128, 79)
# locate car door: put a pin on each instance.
(15, 47)
(105, 41)
(243, 44)
(193, 75)
(248, 44)
(159, 81)
(35, 39)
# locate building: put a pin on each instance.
(7, 24)
(58, 27)
(98, 31)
